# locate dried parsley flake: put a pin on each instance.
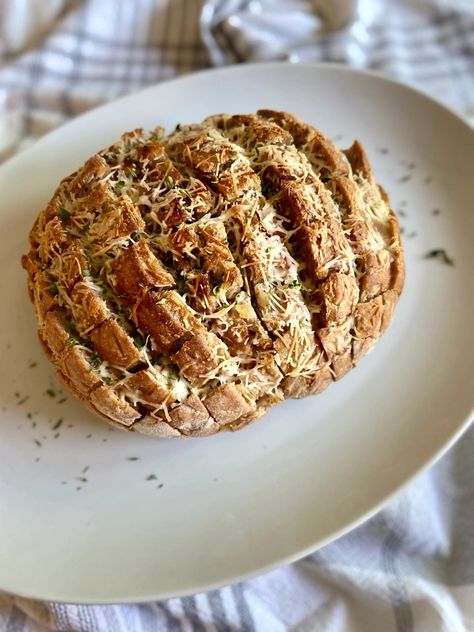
(441, 254)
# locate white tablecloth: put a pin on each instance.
(411, 567)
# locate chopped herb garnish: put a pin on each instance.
(58, 424)
(64, 214)
(185, 193)
(86, 272)
(118, 186)
(402, 213)
(268, 249)
(159, 486)
(95, 361)
(17, 394)
(83, 479)
(62, 400)
(152, 477)
(88, 436)
(405, 178)
(215, 290)
(23, 400)
(85, 228)
(29, 415)
(38, 443)
(294, 284)
(72, 342)
(32, 365)
(85, 469)
(133, 458)
(169, 182)
(56, 435)
(50, 392)
(139, 341)
(107, 379)
(53, 289)
(439, 253)
(436, 211)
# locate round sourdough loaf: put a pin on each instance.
(185, 283)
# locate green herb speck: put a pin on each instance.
(169, 182)
(151, 477)
(50, 392)
(62, 400)
(436, 211)
(139, 341)
(95, 361)
(58, 424)
(440, 253)
(85, 469)
(118, 186)
(405, 178)
(294, 284)
(64, 214)
(32, 365)
(38, 442)
(71, 342)
(133, 458)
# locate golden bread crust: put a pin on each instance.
(185, 283)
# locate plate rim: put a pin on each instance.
(336, 66)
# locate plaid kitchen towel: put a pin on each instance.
(411, 567)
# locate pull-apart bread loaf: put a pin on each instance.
(183, 284)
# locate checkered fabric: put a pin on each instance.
(411, 567)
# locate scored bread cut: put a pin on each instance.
(185, 283)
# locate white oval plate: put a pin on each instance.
(82, 516)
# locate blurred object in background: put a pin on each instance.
(263, 30)
(427, 43)
(59, 58)
(24, 22)
(457, 5)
